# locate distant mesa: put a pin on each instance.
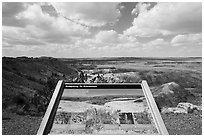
(45, 57)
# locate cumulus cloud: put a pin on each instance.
(9, 12)
(111, 38)
(187, 40)
(30, 30)
(105, 43)
(89, 13)
(51, 25)
(155, 44)
(165, 19)
(141, 8)
(18, 36)
(38, 28)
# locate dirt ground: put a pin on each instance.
(183, 124)
(13, 124)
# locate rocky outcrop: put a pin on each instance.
(182, 108)
(170, 94)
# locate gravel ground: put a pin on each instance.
(183, 124)
(13, 124)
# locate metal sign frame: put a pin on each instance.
(48, 118)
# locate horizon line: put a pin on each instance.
(104, 57)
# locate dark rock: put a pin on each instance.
(170, 94)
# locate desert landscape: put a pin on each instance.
(172, 81)
(102, 42)
(180, 82)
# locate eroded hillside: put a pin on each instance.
(24, 78)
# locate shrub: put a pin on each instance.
(19, 99)
(62, 118)
(142, 118)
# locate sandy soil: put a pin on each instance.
(124, 106)
(73, 106)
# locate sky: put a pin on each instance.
(102, 29)
(100, 92)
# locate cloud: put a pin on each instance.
(111, 38)
(187, 40)
(141, 8)
(165, 19)
(90, 13)
(9, 12)
(19, 36)
(155, 44)
(38, 29)
(30, 30)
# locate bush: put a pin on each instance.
(62, 118)
(20, 99)
(142, 118)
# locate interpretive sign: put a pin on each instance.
(96, 108)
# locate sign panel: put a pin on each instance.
(79, 108)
